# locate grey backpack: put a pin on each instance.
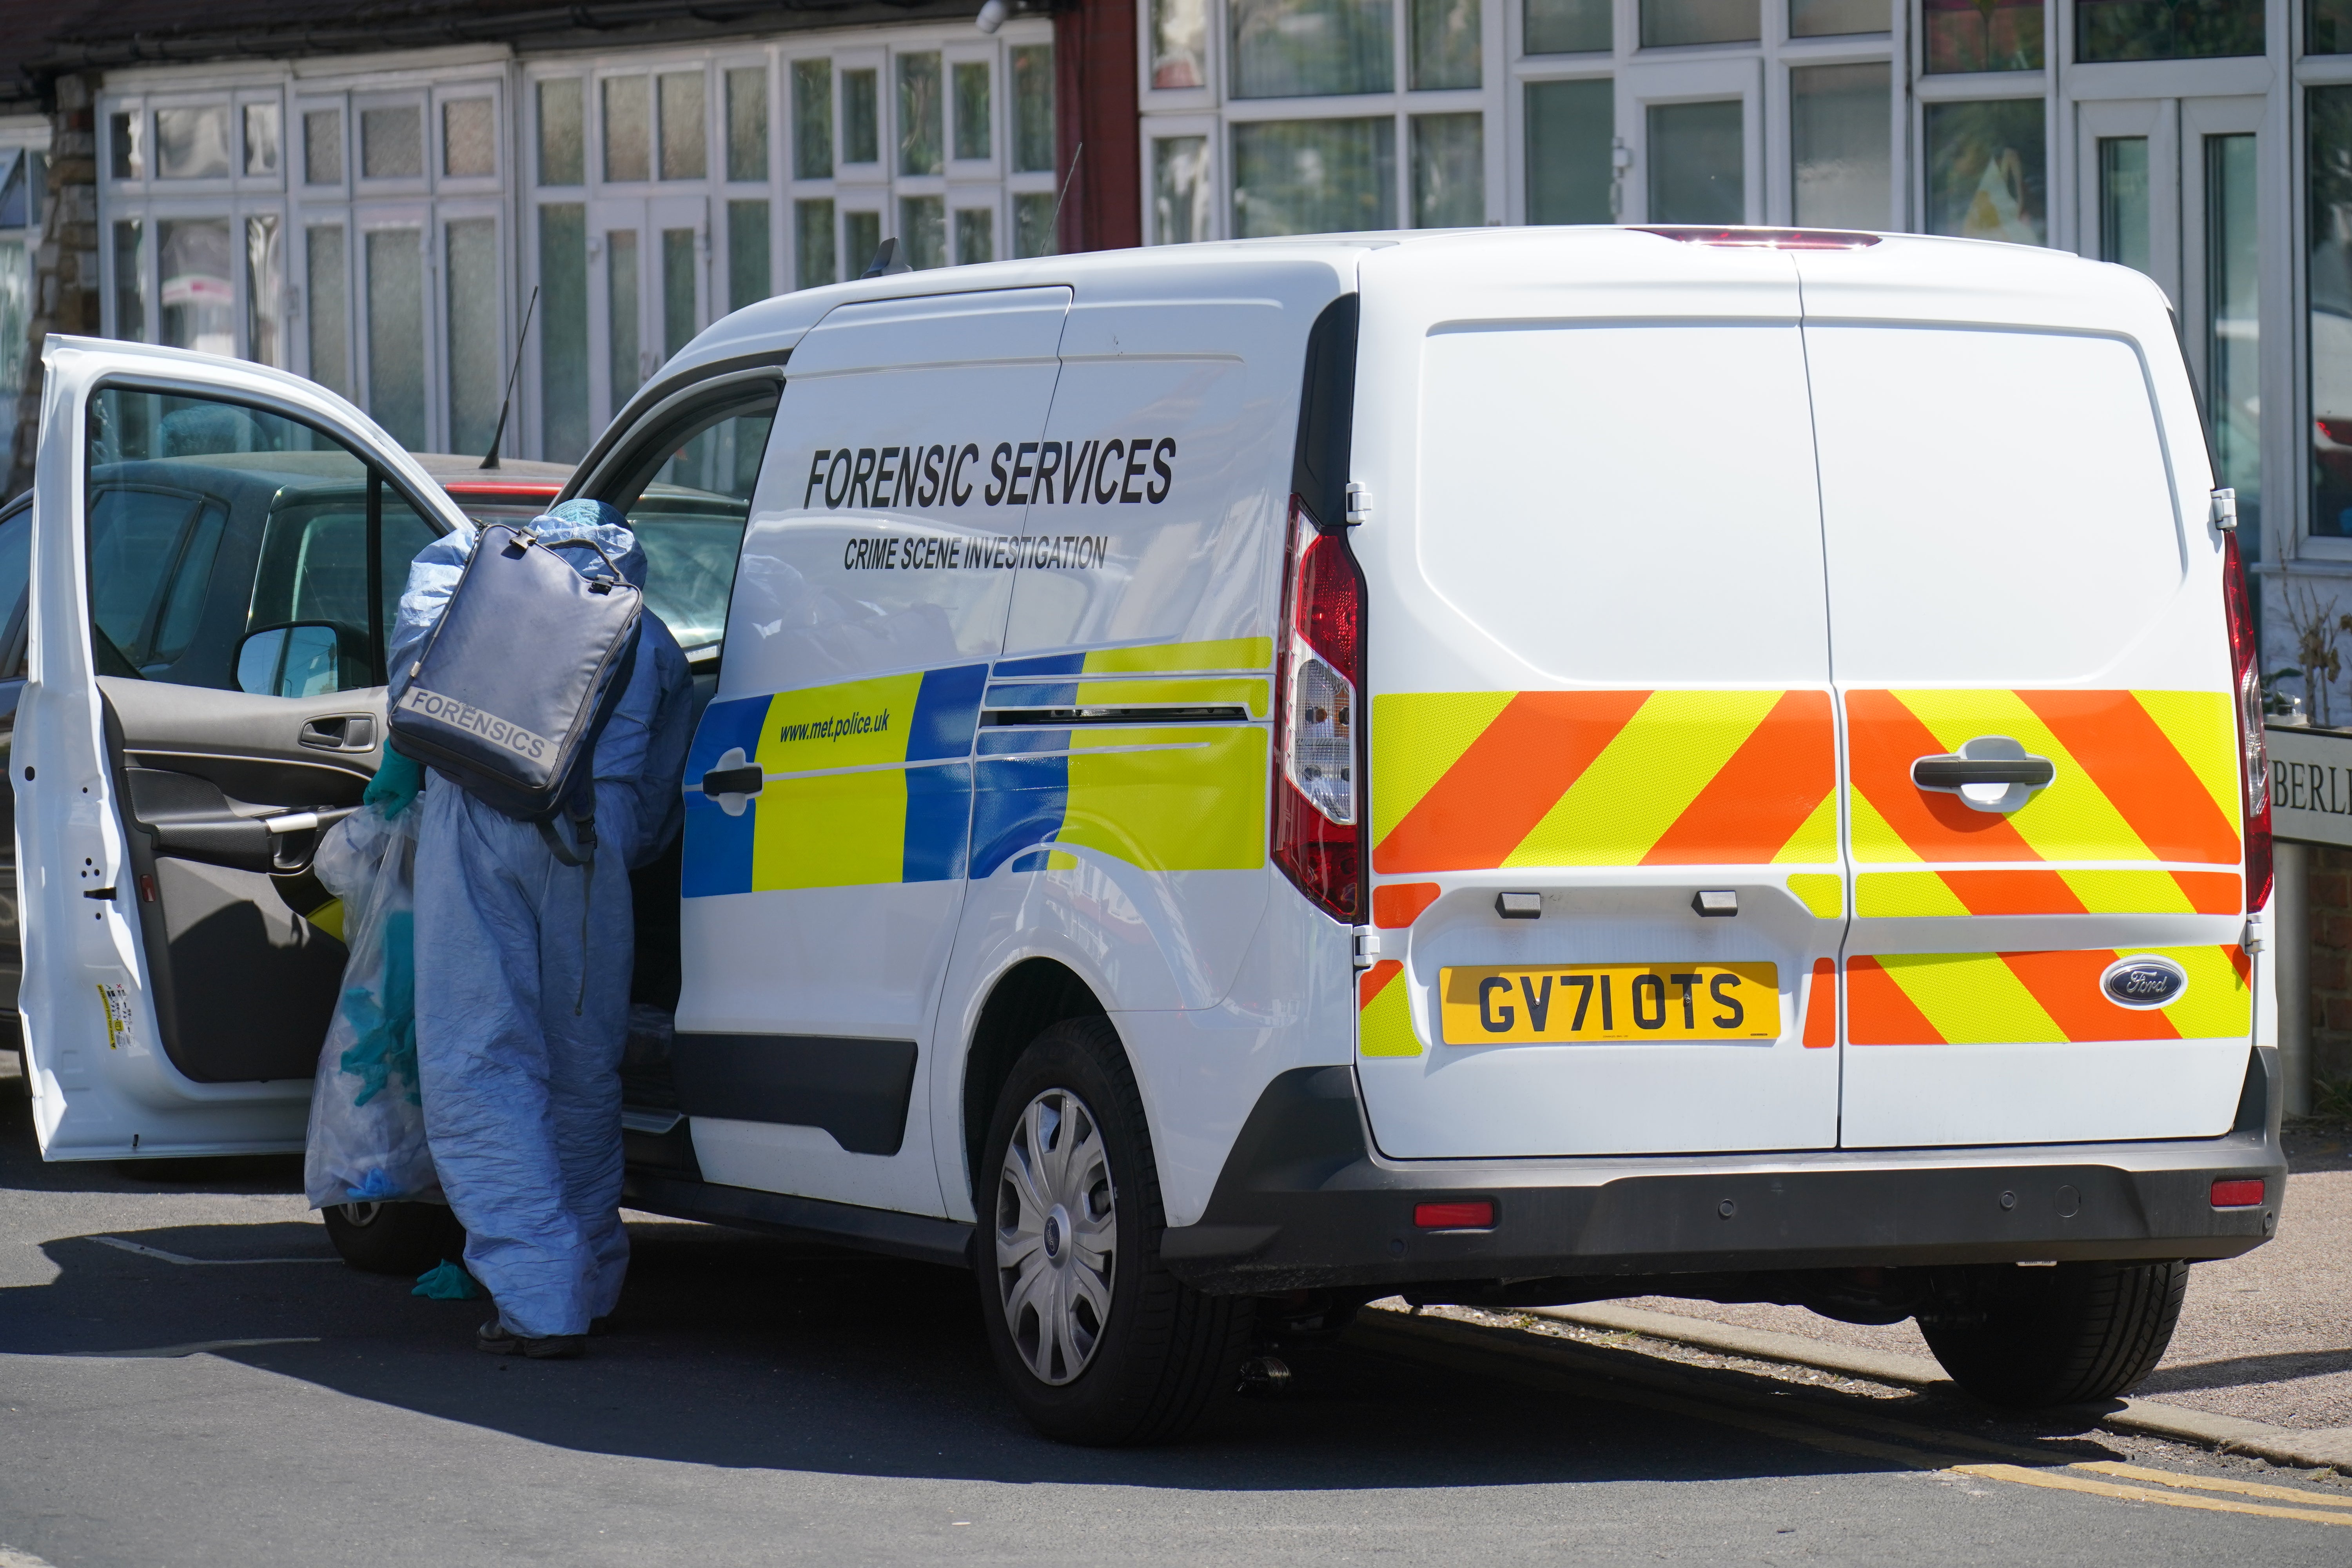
(514, 685)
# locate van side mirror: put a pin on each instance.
(303, 659)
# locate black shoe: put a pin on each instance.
(496, 1339)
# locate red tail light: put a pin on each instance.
(2243, 1193)
(1317, 789)
(1456, 1217)
(2254, 757)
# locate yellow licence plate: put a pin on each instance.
(1568, 1004)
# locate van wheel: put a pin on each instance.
(393, 1238)
(1098, 1343)
(2030, 1337)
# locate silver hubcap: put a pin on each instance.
(1057, 1235)
(361, 1214)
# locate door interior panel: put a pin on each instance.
(244, 982)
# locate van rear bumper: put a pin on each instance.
(1304, 1203)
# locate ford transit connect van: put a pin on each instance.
(1505, 767)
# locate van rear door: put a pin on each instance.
(1597, 662)
(2023, 589)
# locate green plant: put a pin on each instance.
(2332, 1098)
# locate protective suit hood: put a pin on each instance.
(597, 523)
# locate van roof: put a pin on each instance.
(777, 323)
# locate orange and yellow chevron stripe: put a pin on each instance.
(2037, 998)
(1384, 1012)
(1478, 780)
(1900, 894)
(2141, 775)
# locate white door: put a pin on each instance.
(1697, 131)
(650, 291)
(216, 549)
(829, 788)
(2172, 187)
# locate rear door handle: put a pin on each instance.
(1990, 773)
(733, 780)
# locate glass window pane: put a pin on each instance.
(563, 332)
(563, 134)
(2327, 28)
(2123, 201)
(12, 195)
(130, 280)
(1669, 22)
(1445, 50)
(2233, 326)
(36, 184)
(469, 148)
(629, 134)
(1449, 171)
(918, 115)
(1033, 224)
(396, 332)
(477, 360)
(1568, 27)
(1180, 190)
(15, 315)
(328, 297)
(1986, 170)
(861, 117)
(127, 145)
(676, 289)
(2167, 29)
(261, 139)
(1842, 142)
(923, 230)
(861, 237)
(195, 284)
(746, 124)
(813, 120)
(975, 235)
(972, 109)
(323, 146)
(690, 521)
(1983, 35)
(1829, 18)
(264, 271)
(2330, 322)
(15, 577)
(748, 277)
(1180, 44)
(192, 143)
(1314, 176)
(815, 263)
(391, 144)
(1033, 108)
(1571, 127)
(1297, 49)
(685, 134)
(624, 361)
(1697, 163)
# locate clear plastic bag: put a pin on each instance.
(367, 1121)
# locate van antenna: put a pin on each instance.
(1055, 223)
(491, 460)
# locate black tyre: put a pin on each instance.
(1098, 1343)
(395, 1238)
(2025, 1338)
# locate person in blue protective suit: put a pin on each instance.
(523, 976)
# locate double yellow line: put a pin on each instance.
(1664, 1387)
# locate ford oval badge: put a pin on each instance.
(2144, 981)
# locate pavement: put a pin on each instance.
(188, 1377)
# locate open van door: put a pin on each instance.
(217, 551)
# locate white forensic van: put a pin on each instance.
(1503, 767)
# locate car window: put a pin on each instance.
(690, 520)
(15, 572)
(230, 547)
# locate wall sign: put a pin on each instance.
(2311, 784)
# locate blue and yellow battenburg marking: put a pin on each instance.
(880, 781)
(878, 785)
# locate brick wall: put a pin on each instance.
(2331, 963)
(65, 272)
